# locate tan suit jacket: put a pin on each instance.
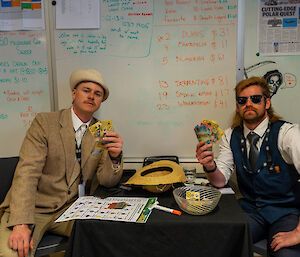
(47, 175)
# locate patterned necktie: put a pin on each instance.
(79, 134)
(253, 154)
(78, 137)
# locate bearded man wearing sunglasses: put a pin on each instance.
(265, 152)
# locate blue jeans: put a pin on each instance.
(260, 229)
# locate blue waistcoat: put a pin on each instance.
(271, 193)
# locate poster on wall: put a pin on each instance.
(78, 14)
(21, 15)
(278, 27)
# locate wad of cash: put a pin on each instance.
(208, 131)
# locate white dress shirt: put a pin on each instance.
(79, 127)
(288, 145)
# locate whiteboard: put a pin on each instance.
(24, 85)
(286, 100)
(168, 65)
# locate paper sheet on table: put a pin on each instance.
(205, 182)
(128, 209)
(226, 191)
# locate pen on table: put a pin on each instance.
(167, 209)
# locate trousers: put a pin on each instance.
(260, 229)
(43, 223)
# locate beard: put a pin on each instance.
(252, 119)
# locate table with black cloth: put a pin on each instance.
(223, 232)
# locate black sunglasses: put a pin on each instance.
(256, 99)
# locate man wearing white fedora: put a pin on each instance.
(57, 160)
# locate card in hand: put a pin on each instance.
(99, 130)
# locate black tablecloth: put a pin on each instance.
(223, 232)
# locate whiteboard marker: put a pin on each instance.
(167, 209)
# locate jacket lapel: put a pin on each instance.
(68, 138)
(88, 144)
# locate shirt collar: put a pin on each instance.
(259, 130)
(77, 122)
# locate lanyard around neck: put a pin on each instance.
(268, 163)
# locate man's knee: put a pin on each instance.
(292, 251)
(5, 250)
(286, 252)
